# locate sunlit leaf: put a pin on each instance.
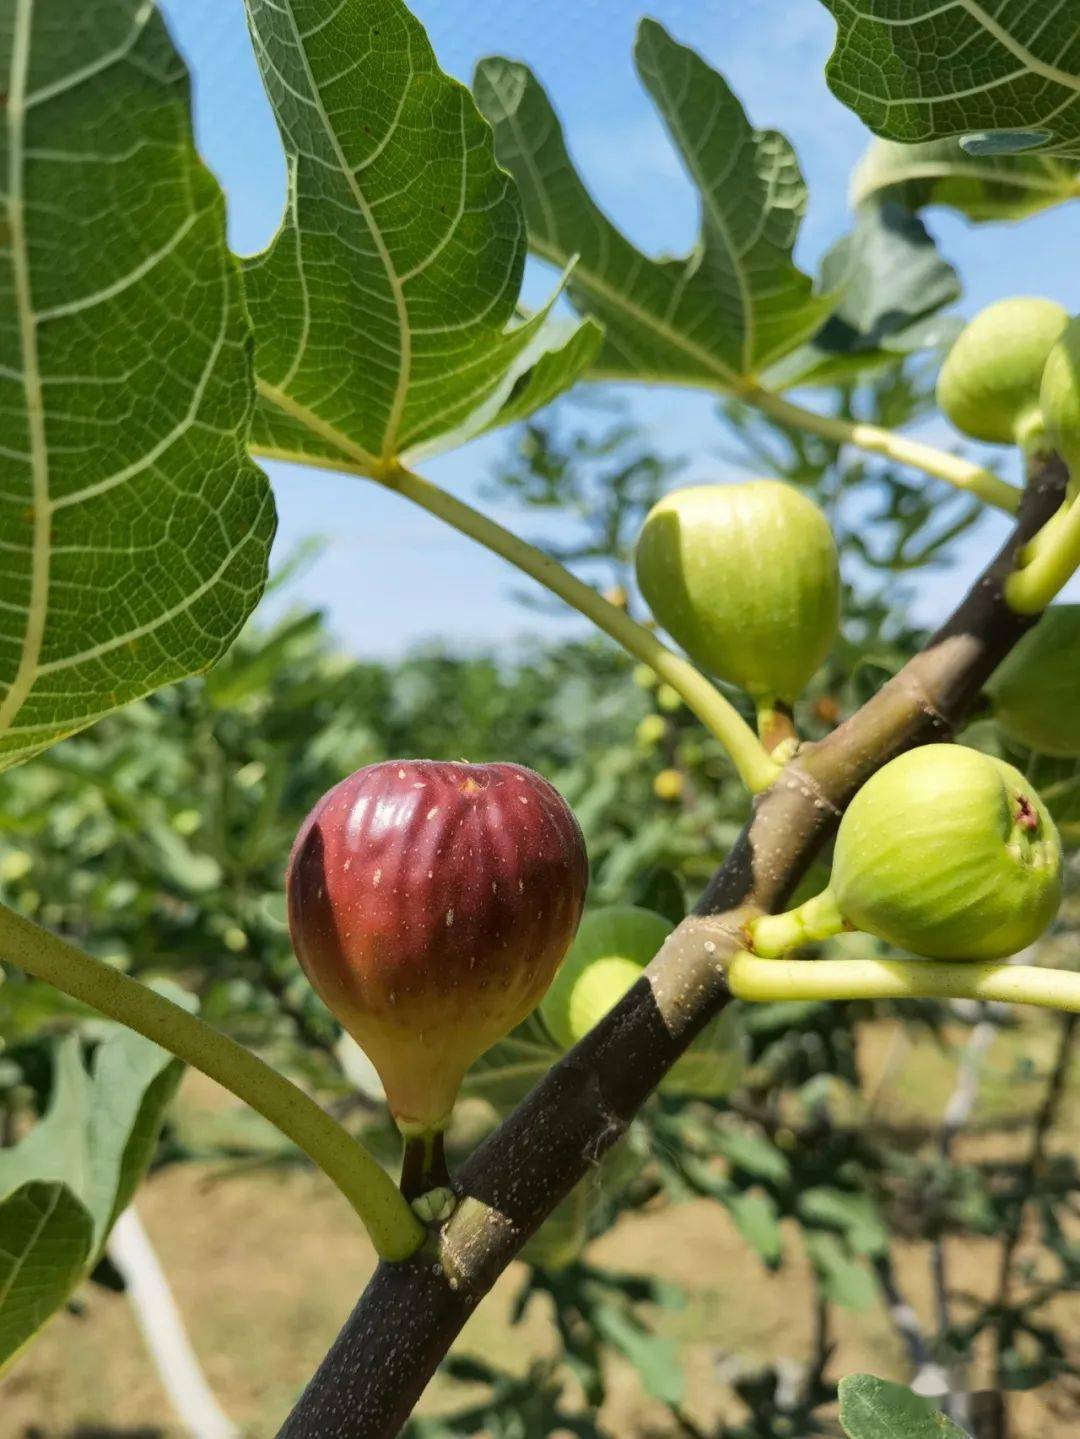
(917, 70)
(134, 528)
(385, 310)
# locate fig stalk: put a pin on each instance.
(1055, 561)
(776, 727)
(817, 919)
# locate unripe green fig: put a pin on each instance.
(745, 577)
(946, 852)
(650, 731)
(668, 785)
(607, 958)
(1036, 690)
(989, 384)
(430, 905)
(1059, 398)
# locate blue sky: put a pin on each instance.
(773, 53)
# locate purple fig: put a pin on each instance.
(430, 905)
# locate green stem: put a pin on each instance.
(876, 440)
(748, 755)
(394, 1229)
(776, 726)
(1054, 561)
(818, 918)
(768, 980)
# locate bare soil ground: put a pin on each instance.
(266, 1265)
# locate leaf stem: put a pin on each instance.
(767, 980)
(394, 1229)
(876, 440)
(1052, 559)
(749, 756)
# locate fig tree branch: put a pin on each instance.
(411, 1312)
(393, 1227)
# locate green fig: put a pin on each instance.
(607, 958)
(946, 852)
(1059, 398)
(989, 384)
(1036, 691)
(745, 577)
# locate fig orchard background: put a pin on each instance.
(834, 1187)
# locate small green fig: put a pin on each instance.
(1059, 398)
(989, 384)
(745, 577)
(1036, 691)
(668, 785)
(946, 852)
(430, 905)
(608, 956)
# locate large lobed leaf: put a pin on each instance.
(918, 70)
(134, 530)
(737, 303)
(385, 310)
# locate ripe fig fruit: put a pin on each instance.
(430, 904)
(1036, 690)
(990, 381)
(745, 577)
(946, 852)
(1059, 398)
(607, 958)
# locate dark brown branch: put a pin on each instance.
(410, 1314)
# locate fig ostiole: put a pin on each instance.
(745, 578)
(945, 852)
(989, 385)
(1035, 692)
(430, 905)
(1059, 398)
(607, 958)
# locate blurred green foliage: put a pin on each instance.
(158, 841)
